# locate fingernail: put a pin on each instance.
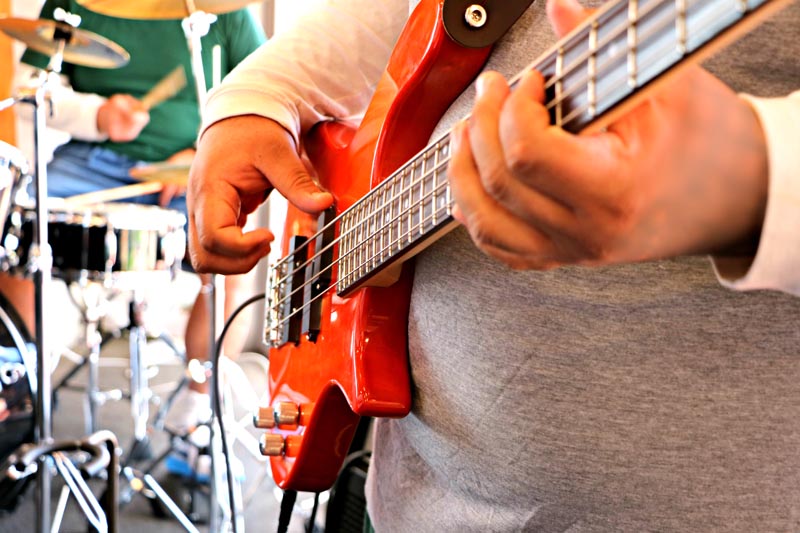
(480, 84)
(457, 214)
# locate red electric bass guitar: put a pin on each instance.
(337, 303)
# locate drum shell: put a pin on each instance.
(102, 241)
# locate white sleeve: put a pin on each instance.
(325, 66)
(776, 264)
(70, 111)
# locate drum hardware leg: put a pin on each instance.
(102, 451)
(40, 266)
(81, 492)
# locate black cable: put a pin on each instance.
(287, 506)
(218, 401)
(313, 518)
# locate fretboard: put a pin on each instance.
(621, 50)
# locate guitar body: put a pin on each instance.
(357, 365)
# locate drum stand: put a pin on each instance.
(46, 456)
(137, 481)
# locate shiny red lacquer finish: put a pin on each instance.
(358, 364)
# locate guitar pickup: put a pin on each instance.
(294, 290)
(318, 273)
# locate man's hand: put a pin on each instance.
(239, 161)
(684, 172)
(122, 117)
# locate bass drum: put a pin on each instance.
(17, 373)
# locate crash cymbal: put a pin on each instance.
(161, 9)
(82, 47)
(177, 173)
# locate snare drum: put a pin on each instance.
(101, 242)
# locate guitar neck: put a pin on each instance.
(595, 72)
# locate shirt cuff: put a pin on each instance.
(776, 264)
(77, 113)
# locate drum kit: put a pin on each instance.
(83, 239)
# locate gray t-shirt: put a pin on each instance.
(639, 397)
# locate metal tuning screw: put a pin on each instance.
(475, 16)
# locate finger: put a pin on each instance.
(290, 177)
(565, 15)
(203, 261)
(490, 225)
(569, 169)
(216, 214)
(493, 158)
(518, 261)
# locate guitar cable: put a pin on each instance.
(217, 411)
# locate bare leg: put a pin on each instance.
(236, 289)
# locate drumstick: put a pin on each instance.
(117, 193)
(166, 88)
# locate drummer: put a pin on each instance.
(113, 131)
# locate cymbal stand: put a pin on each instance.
(40, 265)
(196, 26)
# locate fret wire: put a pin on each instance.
(435, 179)
(373, 219)
(592, 88)
(559, 84)
(680, 25)
(633, 9)
(345, 228)
(449, 202)
(422, 193)
(386, 206)
(410, 203)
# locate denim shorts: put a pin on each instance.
(79, 168)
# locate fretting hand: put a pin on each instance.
(683, 172)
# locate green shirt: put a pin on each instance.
(156, 47)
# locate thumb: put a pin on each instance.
(287, 173)
(565, 15)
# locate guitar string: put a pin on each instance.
(583, 59)
(419, 203)
(570, 68)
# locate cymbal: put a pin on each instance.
(160, 9)
(82, 47)
(177, 173)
